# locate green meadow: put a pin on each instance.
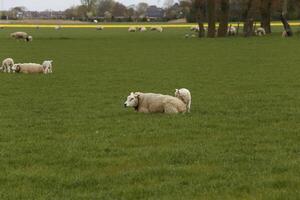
(67, 135)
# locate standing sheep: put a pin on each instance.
(260, 31)
(7, 65)
(99, 28)
(47, 65)
(21, 36)
(231, 31)
(184, 95)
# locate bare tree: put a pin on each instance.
(200, 7)
(224, 17)
(248, 19)
(283, 18)
(265, 11)
(211, 12)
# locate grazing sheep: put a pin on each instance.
(47, 65)
(231, 31)
(28, 68)
(260, 31)
(7, 65)
(132, 29)
(21, 36)
(99, 28)
(57, 27)
(185, 96)
(155, 103)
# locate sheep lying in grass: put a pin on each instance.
(132, 29)
(28, 68)
(155, 103)
(157, 28)
(260, 31)
(185, 96)
(21, 36)
(7, 64)
(33, 68)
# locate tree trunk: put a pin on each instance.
(200, 7)
(248, 20)
(286, 25)
(211, 11)
(224, 16)
(265, 11)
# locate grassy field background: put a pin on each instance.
(67, 135)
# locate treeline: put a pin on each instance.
(111, 10)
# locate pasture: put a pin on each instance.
(68, 136)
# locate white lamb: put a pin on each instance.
(260, 31)
(7, 64)
(184, 95)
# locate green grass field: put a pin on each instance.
(67, 135)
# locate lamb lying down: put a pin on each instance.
(155, 103)
(33, 68)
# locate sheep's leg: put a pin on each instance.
(8, 69)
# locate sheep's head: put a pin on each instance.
(132, 100)
(47, 66)
(16, 68)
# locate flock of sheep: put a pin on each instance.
(144, 29)
(231, 31)
(8, 66)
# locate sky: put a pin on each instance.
(39, 5)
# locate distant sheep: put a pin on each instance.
(132, 29)
(184, 95)
(195, 28)
(7, 65)
(142, 29)
(21, 36)
(99, 28)
(155, 103)
(260, 31)
(157, 28)
(231, 31)
(57, 27)
(284, 34)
